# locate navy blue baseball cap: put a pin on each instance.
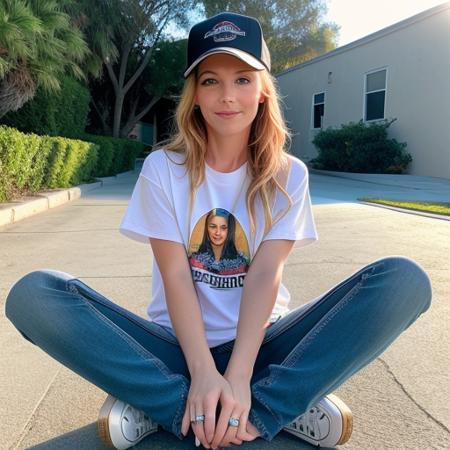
(231, 33)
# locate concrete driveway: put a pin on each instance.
(399, 401)
(339, 187)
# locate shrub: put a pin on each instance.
(29, 163)
(62, 114)
(357, 147)
(70, 162)
(115, 155)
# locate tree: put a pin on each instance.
(291, 28)
(123, 34)
(38, 44)
(161, 78)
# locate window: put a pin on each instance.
(375, 95)
(318, 109)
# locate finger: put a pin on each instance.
(210, 418)
(222, 424)
(199, 426)
(186, 422)
(242, 432)
(192, 418)
(231, 434)
(230, 438)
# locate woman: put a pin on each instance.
(217, 252)
(222, 354)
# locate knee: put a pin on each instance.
(25, 292)
(413, 278)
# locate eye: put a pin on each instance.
(208, 81)
(243, 80)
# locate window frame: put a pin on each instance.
(365, 93)
(312, 110)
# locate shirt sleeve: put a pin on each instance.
(150, 214)
(298, 223)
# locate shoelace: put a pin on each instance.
(142, 422)
(313, 424)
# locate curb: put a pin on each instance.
(408, 211)
(15, 211)
(360, 177)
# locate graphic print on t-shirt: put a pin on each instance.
(218, 250)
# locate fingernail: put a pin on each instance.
(197, 442)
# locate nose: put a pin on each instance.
(228, 93)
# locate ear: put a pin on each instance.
(262, 98)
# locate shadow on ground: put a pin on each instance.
(86, 438)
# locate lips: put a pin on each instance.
(227, 114)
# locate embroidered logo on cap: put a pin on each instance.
(224, 31)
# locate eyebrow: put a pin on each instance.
(214, 73)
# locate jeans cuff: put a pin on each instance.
(263, 418)
(176, 424)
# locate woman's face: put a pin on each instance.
(228, 92)
(217, 230)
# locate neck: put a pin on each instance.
(226, 153)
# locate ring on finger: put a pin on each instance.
(200, 418)
(233, 422)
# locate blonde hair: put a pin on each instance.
(267, 162)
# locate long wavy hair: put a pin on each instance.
(268, 163)
(229, 248)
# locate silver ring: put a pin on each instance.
(199, 419)
(233, 422)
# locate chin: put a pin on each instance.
(232, 131)
(225, 129)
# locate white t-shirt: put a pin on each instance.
(219, 255)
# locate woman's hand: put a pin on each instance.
(236, 406)
(206, 389)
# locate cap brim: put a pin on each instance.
(244, 56)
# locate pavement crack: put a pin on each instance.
(397, 381)
(28, 424)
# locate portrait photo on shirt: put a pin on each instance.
(218, 246)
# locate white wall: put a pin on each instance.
(418, 91)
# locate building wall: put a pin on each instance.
(143, 132)
(418, 91)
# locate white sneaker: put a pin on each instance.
(326, 424)
(121, 426)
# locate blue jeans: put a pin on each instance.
(305, 355)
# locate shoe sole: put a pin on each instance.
(103, 422)
(347, 418)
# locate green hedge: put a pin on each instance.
(61, 114)
(115, 154)
(360, 148)
(30, 163)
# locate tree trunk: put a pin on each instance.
(134, 119)
(118, 105)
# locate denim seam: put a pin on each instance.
(163, 369)
(296, 319)
(174, 341)
(275, 415)
(290, 361)
(255, 420)
(180, 412)
(269, 379)
(141, 351)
